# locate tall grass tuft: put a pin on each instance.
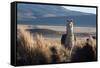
(38, 50)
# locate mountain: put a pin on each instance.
(85, 20)
(52, 15)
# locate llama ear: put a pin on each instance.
(71, 20)
(67, 20)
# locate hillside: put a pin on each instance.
(52, 15)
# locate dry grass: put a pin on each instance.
(85, 50)
(39, 50)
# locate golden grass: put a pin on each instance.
(39, 50)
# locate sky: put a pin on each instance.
(82, 9)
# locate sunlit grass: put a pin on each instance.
(40, 50)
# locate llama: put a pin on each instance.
(68, 39)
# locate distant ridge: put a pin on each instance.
(52, 15)
(43, 31)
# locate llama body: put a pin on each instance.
(69, 41)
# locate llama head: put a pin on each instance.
(70, 23)
(69, 26)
